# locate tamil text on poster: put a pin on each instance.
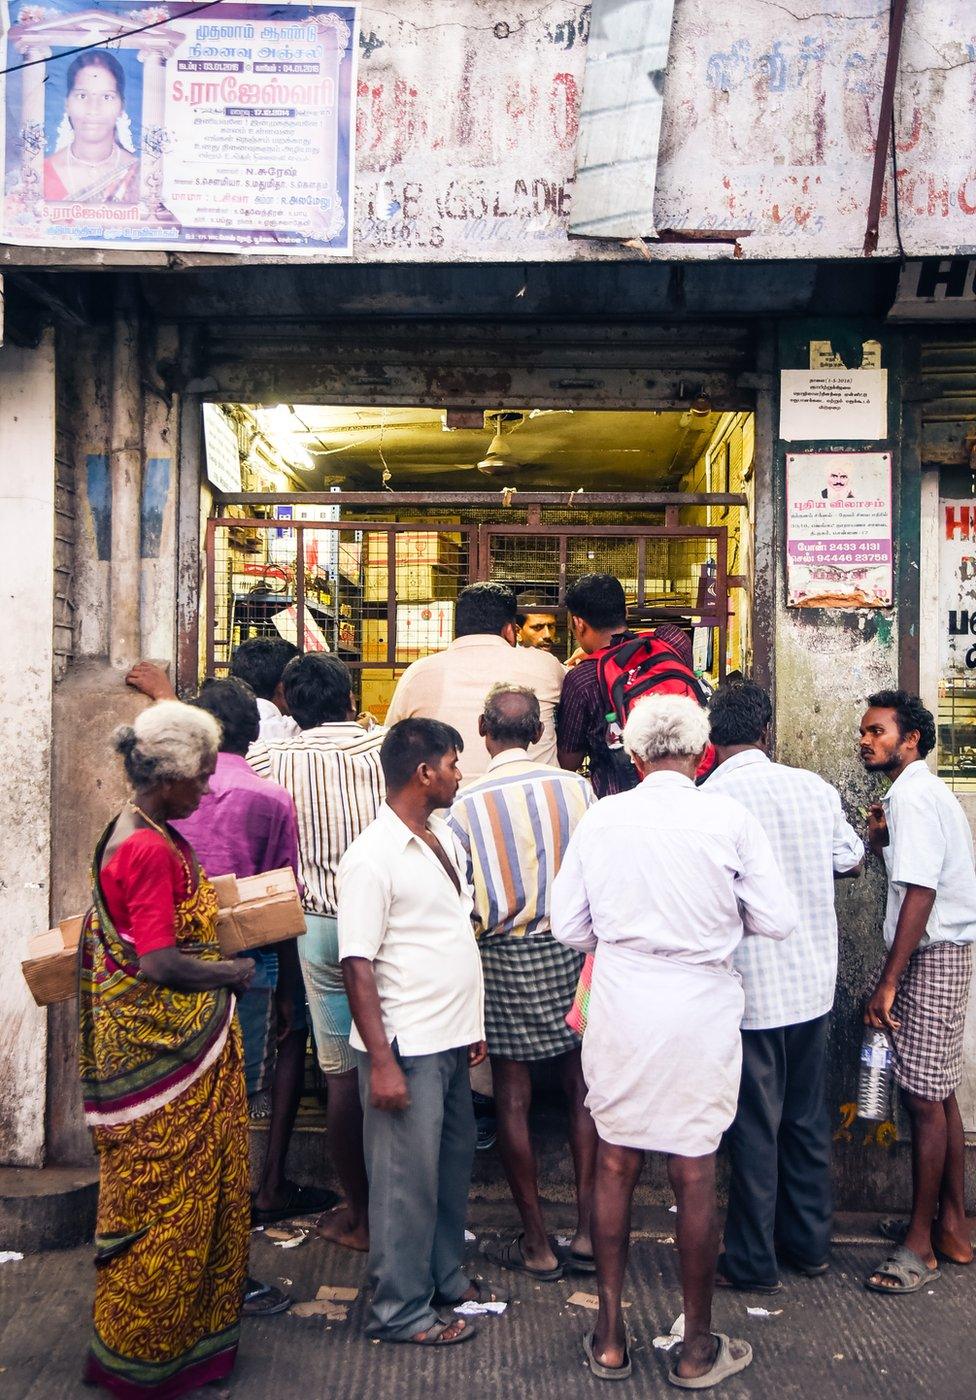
(175, 126)
(838, 529)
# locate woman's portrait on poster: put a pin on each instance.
(94, 162)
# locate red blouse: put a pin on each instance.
(142, 884)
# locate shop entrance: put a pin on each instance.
(374, 575)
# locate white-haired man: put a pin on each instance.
(662, 882)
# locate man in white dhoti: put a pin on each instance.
(662, 882)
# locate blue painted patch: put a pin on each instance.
(99, 486)
(155, 490)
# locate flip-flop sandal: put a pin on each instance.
(264, 1300)
(909, 1272)
(895, 1228)
(434, 1333)
(733, 1355)
(300, 1200)
(510, 1256)
(801, 1267)
(723, 1281)
(580, 1263)
(487, 1293)
(607, 1373)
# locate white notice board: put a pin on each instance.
(833, 405)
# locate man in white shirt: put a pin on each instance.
(920, 998)
(662, 882)
(779, 1145)
(451, 685)
(413, 975)
(261, 662)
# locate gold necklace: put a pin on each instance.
(92, 164)
(166, 837)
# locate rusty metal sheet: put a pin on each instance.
(620, 118)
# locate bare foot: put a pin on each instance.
(339, 1226)
(452, 1330)
(697, 1356)
(953, 1244)
(612, 1354)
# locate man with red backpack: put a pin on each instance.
(620, 668)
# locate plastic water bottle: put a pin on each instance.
(874, 1077)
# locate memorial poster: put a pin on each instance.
(179, 126)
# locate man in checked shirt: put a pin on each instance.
(779, 1144)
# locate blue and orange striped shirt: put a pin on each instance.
(514, 825)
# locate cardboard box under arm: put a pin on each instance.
(51, 966)
(257, 910)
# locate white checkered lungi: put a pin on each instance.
(931, 1006)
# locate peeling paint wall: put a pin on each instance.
(27, 495)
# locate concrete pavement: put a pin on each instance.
(827, 1338)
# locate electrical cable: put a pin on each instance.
(115, 39)
(894, 167)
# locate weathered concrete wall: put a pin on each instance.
(27, 475)
(468, 118)
(827, 661)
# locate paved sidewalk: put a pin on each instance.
(832, 1337)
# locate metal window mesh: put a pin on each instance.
(381, 594)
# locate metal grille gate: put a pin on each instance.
(382, 594)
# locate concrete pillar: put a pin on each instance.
(26, 664)
(126, 478)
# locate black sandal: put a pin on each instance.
(511, 1256)
(264, 1300)
(299, 1200)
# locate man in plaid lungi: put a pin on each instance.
(514, 824)
(920, 830)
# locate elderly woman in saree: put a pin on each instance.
(163, 1081)
(93, 167)
(662, 882)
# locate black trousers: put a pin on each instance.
(779, 1146)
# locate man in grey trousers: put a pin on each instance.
(413, 975)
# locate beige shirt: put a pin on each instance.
(399, 909)
(451, 686)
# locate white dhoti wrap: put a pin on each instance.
(662, 1054)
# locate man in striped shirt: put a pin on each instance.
(333, 773)
(514, 825)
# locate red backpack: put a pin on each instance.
(639, 666)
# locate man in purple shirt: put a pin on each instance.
(246, 825)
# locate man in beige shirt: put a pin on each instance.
(451, 685)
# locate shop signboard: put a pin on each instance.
(222, 451)
(839, 529)
(139, 124)
(957, 587)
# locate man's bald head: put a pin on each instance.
(511, 718)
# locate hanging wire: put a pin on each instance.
(894, 164)
(107, 43)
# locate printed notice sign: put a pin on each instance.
(135, 123)
(838, 530)
(833, 405)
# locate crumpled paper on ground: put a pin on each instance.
(675, 1336)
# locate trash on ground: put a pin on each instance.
(674, 1336)
(10, 1256)
(469, 1238)
(286, 1281)
(321, 1307)
(763, 1312)
(475, 1309)
(287, 1239)
(337, 1295)
(590, 1300)
(564, 1240)
(673, 1210)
